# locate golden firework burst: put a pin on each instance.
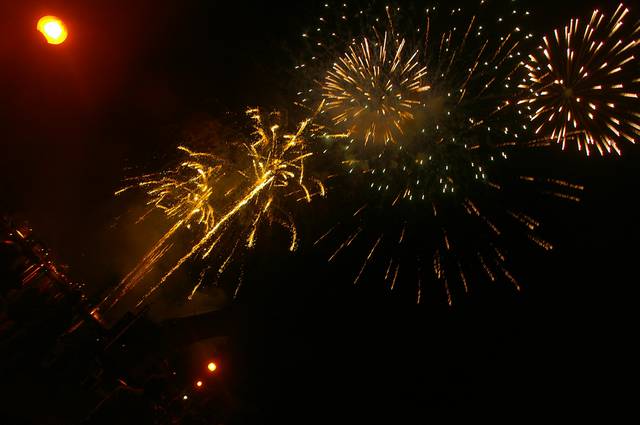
(195, 193)
(373, 88)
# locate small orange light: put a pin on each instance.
(199, 384)
(53, 29)
(212, 366)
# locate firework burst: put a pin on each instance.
(372, 89)
(443, 195)
(583, 83)
(183, 194)
(227, 204)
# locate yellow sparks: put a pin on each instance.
(187, 195)
(373, 88)
(183, 194)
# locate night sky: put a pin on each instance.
(137, 77)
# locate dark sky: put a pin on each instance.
(131, 80)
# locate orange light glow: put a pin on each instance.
(199, 384)
(212, 366)
(53, 29)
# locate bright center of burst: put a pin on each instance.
(568, 92)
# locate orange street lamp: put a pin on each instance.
(212, 366)
(53, 29)
(199, 384)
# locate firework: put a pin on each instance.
(183, 194)
(442, 193)
(583, 83)
(205, 192)
(372, 89)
